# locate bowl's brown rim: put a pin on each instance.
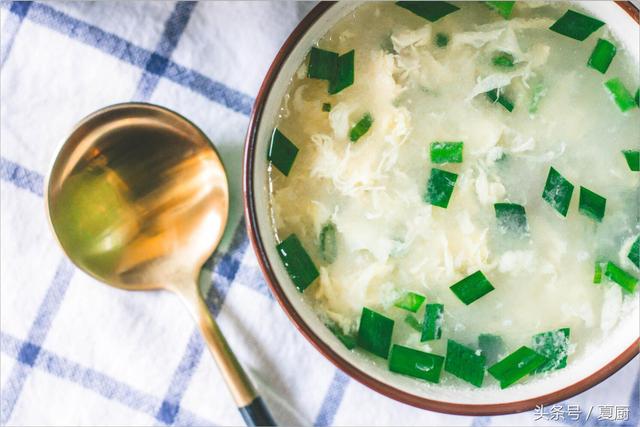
(342, 364)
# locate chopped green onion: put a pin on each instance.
(349, 341)
(621, 277)
(591, 204)
(638, 97)
(633, 159)
(491, 346)
(472, 287)
(554, 345)
(539, 91)
(410, 301)
(429, 10)
(504, 8)
(361, 127)
(597, 273)
(442, 40)
(323, 64)
(387, 44)
(503, 60)
(634, 253)
(602, 55)
(337, 69)
(517, 365)
(440, 187)
(297, 262)
(576, 25)
(557, 192)
(415, 363)
(345, 72)
(464, 363)
(620, 94)
(495, 95)
(511, 217)
(411, 320)
(326, 107)
(446, 152)
(328, 243)
(282, 152)
(374, 334)
(432, 324)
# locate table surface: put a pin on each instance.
(76, 352)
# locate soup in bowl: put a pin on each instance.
(444, 196)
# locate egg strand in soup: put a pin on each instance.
(454, 186)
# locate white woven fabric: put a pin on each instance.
(76, 352)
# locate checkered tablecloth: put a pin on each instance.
(76, 352)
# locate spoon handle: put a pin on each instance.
(257, 414)
(250, 404)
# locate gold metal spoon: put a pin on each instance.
(138, 198)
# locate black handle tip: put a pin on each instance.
(257, 414)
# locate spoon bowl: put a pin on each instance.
(138, 198)
(138, 195)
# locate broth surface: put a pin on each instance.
(390, 241)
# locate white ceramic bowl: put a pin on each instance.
(622, 344)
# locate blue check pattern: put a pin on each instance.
(338, 401)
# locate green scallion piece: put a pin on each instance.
(491, 346)
(591, 204)
(374, 334)
(597, 272)
(539, 91)
(503, 60)
(432, 324)
(621, 277)
(504, 8)
(576, 25)
(297, 262)
(557, 192)
(496, 95)
(620, 94)
(511, 217)
(323, 64)
(282, 152)
(429, 10)
(361, 127)
(464, 363)
(326, 107)
(349, 341)
(442, 40)
(634, 253)
(345, 73)
(410, 301)
(638, 97)
(414, 323)
(472, 287)
(446, 152)
(386, 44)
(633, 159)
(517, 365)
(440, 187)
(415, 363)
(328, 243)
(554, 345)
(337, 69)
(602, 55)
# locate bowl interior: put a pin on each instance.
(373, 372)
